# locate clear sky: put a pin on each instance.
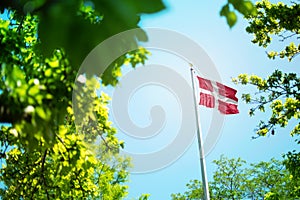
(232, 53)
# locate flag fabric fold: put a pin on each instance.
(227, 108)
(210, 91)
(207, 100)
(205, 84)
(227, 91)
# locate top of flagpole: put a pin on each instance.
(191, 67)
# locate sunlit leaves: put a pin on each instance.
(69, 168)
(229, 178)
(4, 24)
(23, 76)
(276, 19)
(42, 44)
(45, 79)
(292, 161)
(194, 191)
(144, 197)
(289, 52)
(268, 177)
(280, 91)
(235, 179)
(113, 72)
(50, 174)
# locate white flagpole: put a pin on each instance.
(200, 143)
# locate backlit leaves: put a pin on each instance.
(44, 154)
(280, 91)
(276, 19)
(44, 80)
(235, 179)
(244, 7)
(93, 22)
(72, 167)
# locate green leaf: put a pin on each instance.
(225, 10)
(4, 23)
(146, 6)
(53, 63)
(122, 144)
(231, 19)
(41, 113)
(33, 90)
(48, 72)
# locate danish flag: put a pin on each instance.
(216, 94)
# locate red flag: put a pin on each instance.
(227, 91)
(205, 84)
(207, 100)
(227, 108)
(227, 101)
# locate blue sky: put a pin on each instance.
(232, 53)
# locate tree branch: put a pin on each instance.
(42, 173)
(283, 37)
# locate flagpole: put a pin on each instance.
(200, 143)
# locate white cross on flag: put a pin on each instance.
(210, 91)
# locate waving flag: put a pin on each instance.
(210, 91)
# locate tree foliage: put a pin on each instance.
(279, 92)
(228, 178)
(280, 20)
(243, 7)
(70, 168)
(44, 155)
(194, 191)
(37, 86)
(235, 179)
(93, 22)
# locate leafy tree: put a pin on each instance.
(67, 170)
(280, 20)
(43, 154)
(292, 164)
(40, 71)
(264, 178)
(194, 191)
(229, 179)
(280, 90)
(243, 7)
(92, 21)
(233, 179)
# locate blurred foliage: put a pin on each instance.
(67, 170)
(232, 7)
(235, 179)
(44, 153)
(78, 26)
(38, 70)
